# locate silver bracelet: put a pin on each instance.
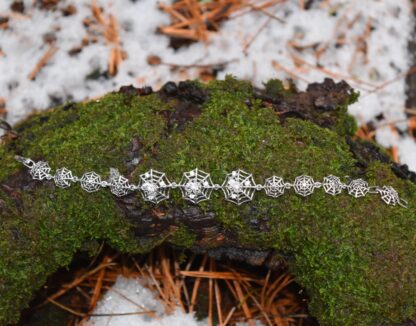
(196, 185)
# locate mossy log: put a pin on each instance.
(355, 257)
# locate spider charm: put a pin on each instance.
(304, 185)
(358, 188)
(196, 186)
(274, 186)
(40, 170)
(154, 186)
(63, 178)
(90, 182)
(332, 185)
(389, 195)
(239, 187)
(119, 185)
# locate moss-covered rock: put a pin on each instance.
(355, 257)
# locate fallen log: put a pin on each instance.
(354, 256)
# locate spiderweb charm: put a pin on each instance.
(239, 187)
(154, 186)
(40, 170)
(119, 185)
(358, 188)
(90, 182)
(389, 195)
(196, 186)
(274, 186)
(304, 185)
(63, 178)
(332, 185)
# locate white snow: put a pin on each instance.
(128, 295)
(65, 76)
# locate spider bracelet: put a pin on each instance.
(196, 185)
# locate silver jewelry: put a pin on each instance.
(196, 185)
(304, 185)
(274, 186)
(358, 188)
(63, 178)
(154, 186)
(90, 182)
(333, 185)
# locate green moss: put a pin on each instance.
(183, 237)
(346, 124)
(354, 256)
(275, 88)
(55, 222)
(329, 237)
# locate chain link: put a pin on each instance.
(196, 185)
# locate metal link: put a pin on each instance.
(374, 190)
(25, 161)
(196, 185)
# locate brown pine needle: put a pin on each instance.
(247, 286)
(243, 302)
(395, 154)
(263, 290)
(144, 310)
(98, 286)
(43, 61)
(182, 282)
(74, 283)
(278, 66)
(197, 20)
(196, 285)
(266, 13)
(230, 314)
(411, 71)
(210, 293)
(122, 314)
(63, 307)
(218, 302)
(215, 275)
(109, 29)
(156, 283)
(256, 34)
(234, 293)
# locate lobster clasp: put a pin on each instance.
(25, 161)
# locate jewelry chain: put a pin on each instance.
(196, 185)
